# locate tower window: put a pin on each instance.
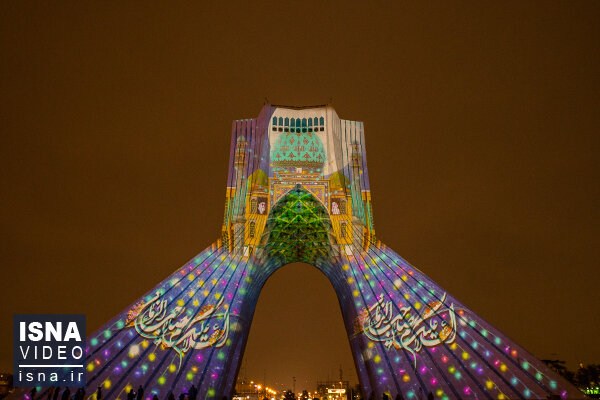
(342, 230)
(342, 207)
(253, 206)
(252, 229)
(225, 239)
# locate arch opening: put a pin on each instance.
(302, 296)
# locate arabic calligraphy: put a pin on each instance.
(180, 331)
(410, 330)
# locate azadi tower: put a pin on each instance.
(298, 191)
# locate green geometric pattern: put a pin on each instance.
(297, 229)
(298, 149)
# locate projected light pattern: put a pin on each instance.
(298, 190)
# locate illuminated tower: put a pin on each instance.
(298, 191)
(240, 164)
(358, 208)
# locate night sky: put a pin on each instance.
(482, 136)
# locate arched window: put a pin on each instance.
(274, 120)
(225, 239)
(310, 122)
(316, 121)
(322, 121)
(293, 123)
(342, 207)
(280, 121)
(304, 122)
(298, 122)
(252, 229)
(287, 121)
(253, 206)
(342, 230)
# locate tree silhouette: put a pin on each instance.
(588, 376)
(560, 368)
(289, 395)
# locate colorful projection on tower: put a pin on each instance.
(298, 191)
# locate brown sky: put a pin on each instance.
(481, 124)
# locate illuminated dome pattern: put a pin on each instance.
(298, 149)
(408, 336)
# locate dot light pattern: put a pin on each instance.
(407, 334)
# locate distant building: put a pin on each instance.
(334, 390)
(251, 390)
